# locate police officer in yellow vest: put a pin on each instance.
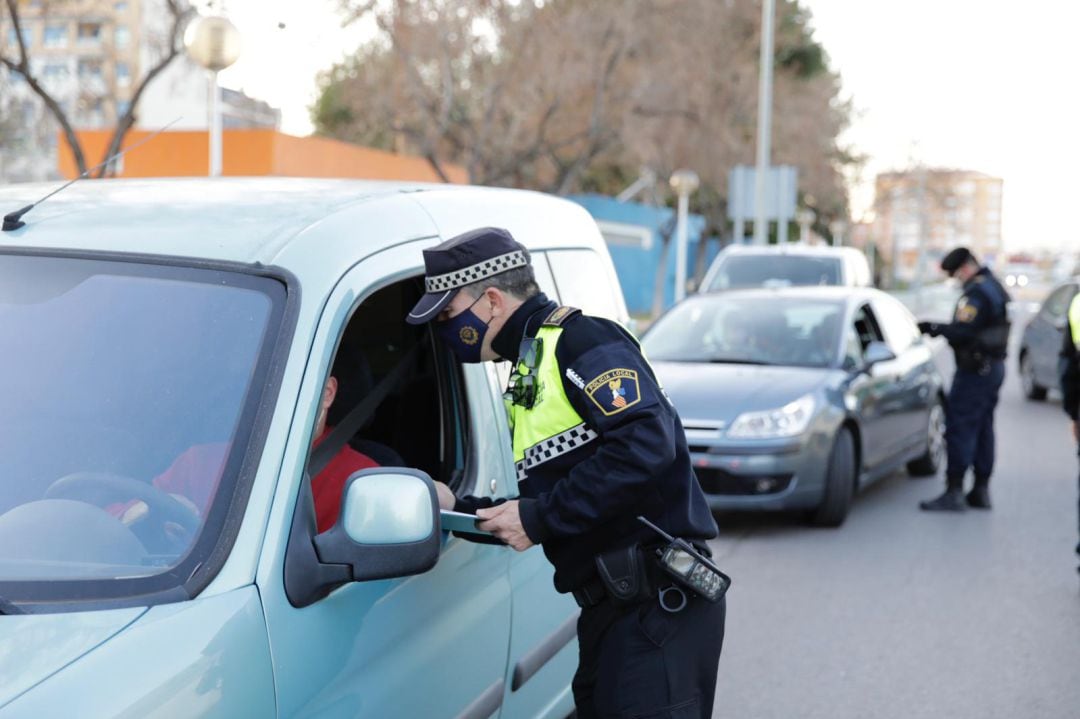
(597, 443)
(1069, 367)
(979, 336)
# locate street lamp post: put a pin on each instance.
(684, 182)
(764, 122)
(805, 218)
(836, 229)
(213, 42)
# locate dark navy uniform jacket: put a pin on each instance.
(586, 500)
(981, 308)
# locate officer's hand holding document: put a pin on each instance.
(461, 522)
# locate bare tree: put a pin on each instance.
(179, 12)
(563, 95)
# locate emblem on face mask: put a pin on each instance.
(469, 335)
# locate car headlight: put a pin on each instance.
(787, 421)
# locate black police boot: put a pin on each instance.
(979, 496)
(951, 501)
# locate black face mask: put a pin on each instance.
(464, 333)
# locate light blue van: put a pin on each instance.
(186, 328)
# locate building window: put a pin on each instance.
(54, 70)
(122, 36)
(89, 69)
(121, 6)
(27, 34)
(122, 107)
(89, 33)
(55, 36)
(123, 74)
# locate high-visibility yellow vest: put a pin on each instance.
(1074, 319)
(552, 427)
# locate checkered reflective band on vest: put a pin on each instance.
(552, 427)
(553, 447)
(475, 273)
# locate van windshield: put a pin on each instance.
(128, 391)
(774, 270)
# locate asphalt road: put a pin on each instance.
(903, 613)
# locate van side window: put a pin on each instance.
(584, 281)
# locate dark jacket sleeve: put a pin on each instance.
(1069, 373)
(619, 398)
(974, 313)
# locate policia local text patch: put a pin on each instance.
(614, 391)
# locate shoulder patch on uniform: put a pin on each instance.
(615, 390)
(575, 378)
(560, 315)
(965, 311)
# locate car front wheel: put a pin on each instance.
(839, 483)
(928, 464)
(1032, 389)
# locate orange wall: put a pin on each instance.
(253, 152)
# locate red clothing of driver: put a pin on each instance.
(196, 472)
(327, 487)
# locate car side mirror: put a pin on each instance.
(877, 352)
(388, 526)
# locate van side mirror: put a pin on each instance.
(877, 352)
(388, 526)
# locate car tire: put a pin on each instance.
(929, 464)
(1032, 389)
(839, 483)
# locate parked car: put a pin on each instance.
(797, 398)
(146, 321)
(1042, 339)
(742, 266)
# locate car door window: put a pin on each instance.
(900, 329)
(866, 328)
(1057, 304)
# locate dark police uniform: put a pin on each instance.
(978, 334)
(601, 445)
(1069, 370)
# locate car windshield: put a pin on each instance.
(769, 330)
(128, 394)
(774, 270)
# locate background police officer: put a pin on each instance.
(596, 444)
(1070, 378)
(979, 336)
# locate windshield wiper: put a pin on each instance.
(7, 607)
(736, 360)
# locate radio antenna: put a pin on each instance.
(13, 220)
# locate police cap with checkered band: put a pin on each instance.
(463, 260)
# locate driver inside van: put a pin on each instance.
(193, 477)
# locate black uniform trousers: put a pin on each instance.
(643, 662)
(969, 423)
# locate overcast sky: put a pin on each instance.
(987, 85)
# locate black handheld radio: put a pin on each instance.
(689, 567)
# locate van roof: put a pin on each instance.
(249, 219)
(790, 249)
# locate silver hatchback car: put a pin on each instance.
(797, 398)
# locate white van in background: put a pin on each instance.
(743, 266)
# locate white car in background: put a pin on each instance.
(742, 266)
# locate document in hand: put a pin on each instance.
(461, 522)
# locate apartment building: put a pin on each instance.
(935, 210)
(90, 56)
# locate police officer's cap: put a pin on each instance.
(956, 259)
(460, 261)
